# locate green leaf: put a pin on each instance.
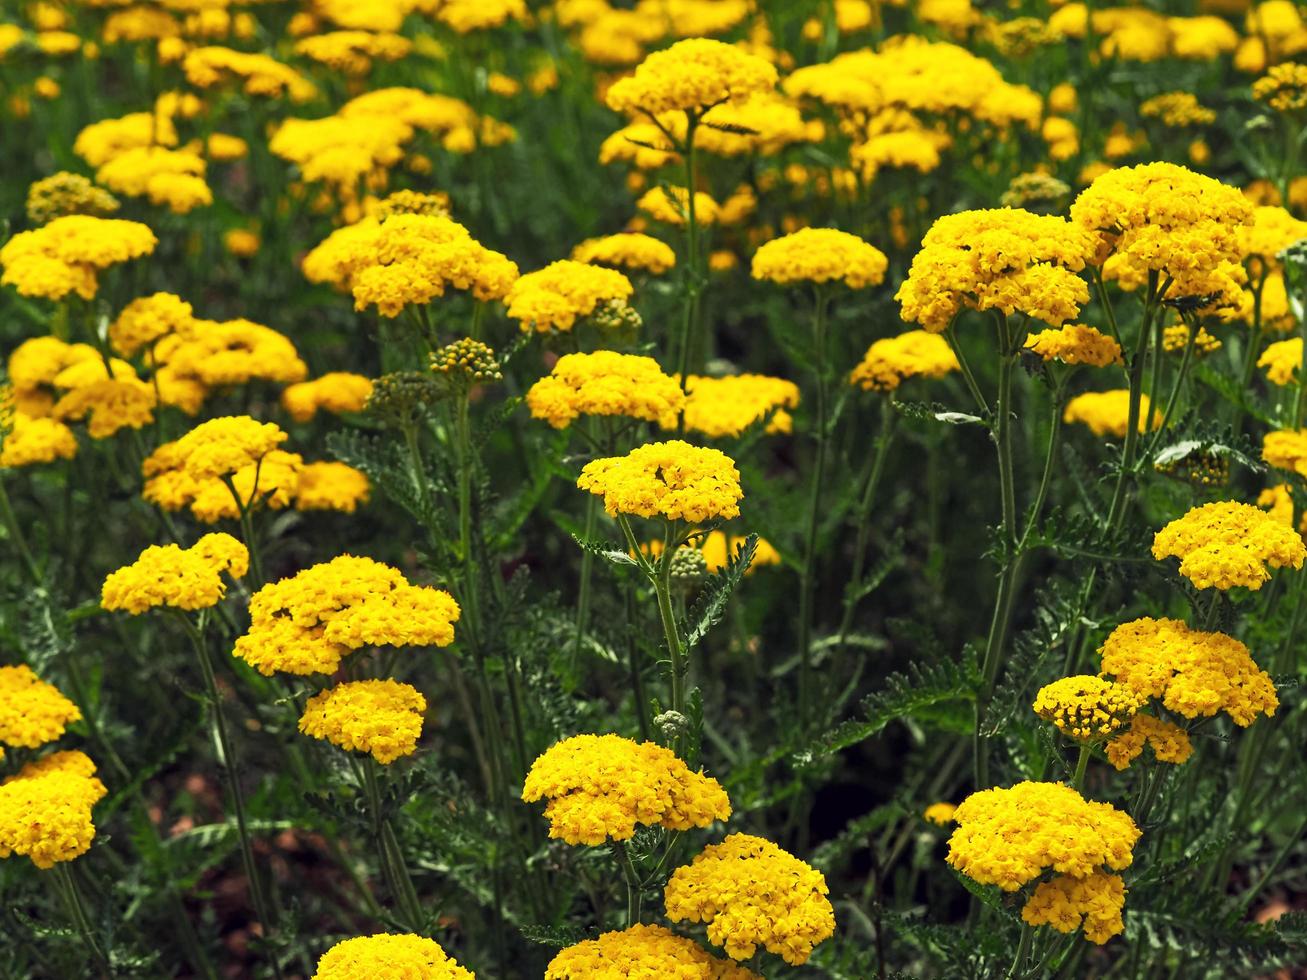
(711, 604)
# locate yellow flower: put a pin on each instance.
(691, 76)
(1108, 412)
(671, 206)
(1176, 339)
(1283, 361)
(145, 320)
(206, 354)
(112, 404)
(1191, 672)
(1066, 901)
(672, 479)
(45, 810)
(1170, 743)
(1272, 230)
(353, 52)
(65, 255)
(389, 957)
(1075, 344)
(599, 787)
(171, 177)
(725, 407)
(1086, 708)
(940, 814)
(1226, 544)
(465, 16)
(562, 292)
(256, 74)
(222, 446)
(1283, 87)
(604, 383)
(241, 242)
(380, 717)
(307, 623)
(820, 255)
(628, 250)
(36, 440)
(337, 392)
(182, 578)
(331, 486)
(751, 893)
(32, 712)
(1177, 109)
(892, 360)
(67, 193)
(642, 951)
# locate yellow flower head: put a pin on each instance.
(389, 957)
(108, 405)
(892, 360)
(631, 251)
(336, 392)
(1010, 836)
(1177, 109)
(307, 623)
(691, 76)
(556, 296)
(383, 718)
(182, 578)
(255, 74)
(209, 354)
(940, 814)
(673, 479)
(820, 255)
(67, 193)
(32, 712)
(224, 445)
(1226, 544)
(1107, 413)
(145, 320)
(604, 383)
(671, 206)
(331, 486)
(1170, 743)
(642, 951)
(1272, 230)
(724, 407)
(599, 787)
(1283, 87)
(1075, 344)
(1176, 338)
(1282, 361)
(751, 893)
(45, 810)
(1067, 902)
(1005, 259)
(1086, 708)
(31, 441)
(65, 255)
(1286, 449)
(1191, 672)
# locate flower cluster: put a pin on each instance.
(1075, 344)
(32, 712)
(642, 951)
(820, 255)
(1286, 449)
(604, 383)
(337, 392)
(67, 193)
(1107, 413)
(1226, 544)
(1191, 672)
(1282, 361)
(380, 717)
(724, 407)
(600, 787)
(307, 623)
(1169, 742)
(1283, 87)
(672, 479)
(912, 354)
(181, 578)
(631, 251)
(1066, 902)
(1087, 708)
(65, 255)
(691, 76)
(555, 297)
(750, 893)
(389, 957)
(45, 810)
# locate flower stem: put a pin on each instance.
(808, 578)
(71, 896)
(692, 284)
(634, 899)
(660, 577)
(17, 537)
(393, 867)
(1023, 949)
(1082, 763)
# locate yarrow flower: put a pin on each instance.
(331, 485)
(892, 360)
(642, 951)
(67, 193)
(820, 255)
(1226, 544)
(1169, 742)
(1086, 708)
(1191, 672)
(725, 407)
(389, 957)
(307, 623)
(631, 251)
(671, 206)
(337, 392)
(750, 893)
(604, 383)
(1075, 344)
(380, 717)
(1108, 412)
(182, 578)
(1005, 259)
(940, 814)
(144, 321)
(1283, 87)
(691, 76)
(600, 787)
(31, 441)
(32, 712)
(555, 297)
(1286, 449)
(1011, 837)
(45, 809)
(66, 255)
(673, 479)
(717, 549)
(1282, 361)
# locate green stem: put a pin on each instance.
(637, 673)
(1185, 361)
(808, 578)
(659, 575)
(76, 909)
(582, 620)
(1023, 949)
(16, 536)
(692, 282)
(634, 898)
(967, 375)
(1082, 763)
(391, 855)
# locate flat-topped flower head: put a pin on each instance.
(749, 893)
(1272, 230)
(379, 717)
(224, 445)
(32, 712)
(555, 297)
(820, 255)
(940, 814)
(1075, 344)
(1226, 544)
(692, 76)
(628, 250)
(672, 479)
(307, 623)
(67, 193)
(912, 354)
(1087, 708)
(1283, 87)
(33, 441)
(1004, 259)
(337, 392)
(45, 809)
(331, 485)
(642, 951)
(147, 319)
(1282, 361)
(1286, 449)
(1191, 672)
(1067, 903)
(671, 206)
(725, 407)
(604, 383)
(66, 255)
(180, 578)
(389, 957)
(1169, 742)
(601, 787)
(1107, 413)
